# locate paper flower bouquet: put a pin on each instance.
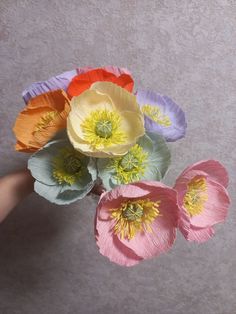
(89, 131)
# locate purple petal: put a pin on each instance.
(60, 81)
(169, 108)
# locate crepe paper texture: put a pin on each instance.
(202, 198)
(105, 121)
(60, 172)
(63, 80)
(42, 118)
(83, 81)
(89, 131)
(136, 222)
(162, 115)
(148, 159)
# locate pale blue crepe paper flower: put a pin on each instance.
(154, 162)
(60, 172)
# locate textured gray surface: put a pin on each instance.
(49, 262)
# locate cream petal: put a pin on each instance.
(133, 125)
(122, 99)
(88, 101)
(74, 123)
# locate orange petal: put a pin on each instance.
(54, 99)
(27, 121)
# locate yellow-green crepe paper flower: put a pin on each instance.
(105, 121)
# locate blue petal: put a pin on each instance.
(69, 196)
(50, 192)
(161, 156)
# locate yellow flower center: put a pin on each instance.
(102, 128)
(196, 196)
(67, 166)
(130, 167)
(135, 216)
(154, 113)
(45, 120)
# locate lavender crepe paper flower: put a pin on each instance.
(168, 109)
(62, 81)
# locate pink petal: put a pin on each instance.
(199, 235)
(216, 207)
(114, 198)
(146, 244)
(111, 247)
(215, 170)
(112, 69)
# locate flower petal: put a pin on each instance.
(50, 192)
(102, 97)
(199, 235)
(83, 81)
(149, 244)
(60, 81)
(110, 246)
(123, 100)
(161, 154)
(40, 129)
(215, 170)
(168, 108)
(216, 207)
(112, 69)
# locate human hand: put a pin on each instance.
(16, 186)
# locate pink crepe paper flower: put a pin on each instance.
(136, 222)
(202, 198)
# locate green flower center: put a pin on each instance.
(133, 217)
(133, 211)
(67, 166)
(72, 164)
(131, 167)
(104, 128)
(129, 162)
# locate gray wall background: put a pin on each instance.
(49, 262)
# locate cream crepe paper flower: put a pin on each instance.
(105, 121)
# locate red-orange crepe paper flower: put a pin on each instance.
(83, 81)
(41, 119)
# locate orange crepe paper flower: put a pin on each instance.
(41, 119)
(83, 81)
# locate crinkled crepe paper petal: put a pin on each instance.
(117, 99)
(156, 165)
(83, 81)
(110, 246)
(41, 167)
(112, 69)
(31, 139)
(215, 170)
(60, 81)
(144, 246)
(168, 107)
(216, 206)
(150, 244)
